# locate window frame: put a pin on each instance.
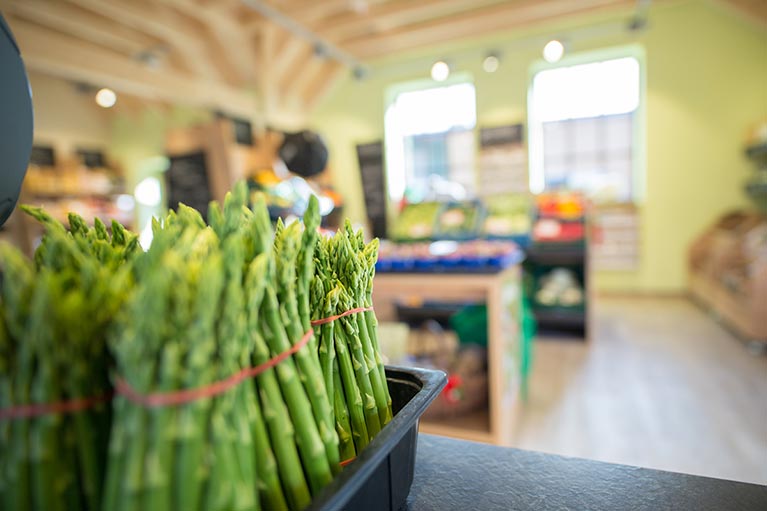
(639, 138)
(390, 97)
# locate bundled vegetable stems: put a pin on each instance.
(227, 393)
(237, 295)
(54, 319)
(348, 347)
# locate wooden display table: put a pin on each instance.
(502, 293)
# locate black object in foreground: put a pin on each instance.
(455, 475)
(380, 478)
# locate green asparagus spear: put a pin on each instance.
(191, 470)
(343, 426)
(288, 240)
(279, 460)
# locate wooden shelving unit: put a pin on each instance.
(728, 274)
(561, 319)
(66, 184)
(502, 293)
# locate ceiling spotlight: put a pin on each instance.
(359, 6)
(553, 51)
(150, 59)
(440, 71)
(106, 98)
(491, 63)
(320, 51)
(359, 73)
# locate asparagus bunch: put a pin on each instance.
(348, 347)
(204, 303)
(296, 408)
(184, 328)
(235, 295)
(54, 318)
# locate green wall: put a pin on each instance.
(706, 84)
(140, 135)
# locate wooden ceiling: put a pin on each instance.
(227, 54)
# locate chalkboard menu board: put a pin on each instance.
(187, 182)
(243, 131)
(91, 158)
(500, 135)
(242, 128)
(370, 157)
(42, 156)
(502, 161)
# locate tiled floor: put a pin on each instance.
(659, 385)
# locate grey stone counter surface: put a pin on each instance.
(455, 475)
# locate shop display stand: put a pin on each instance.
(730, 281)
(727, 266)
(543, 257)
(501, 292)
(68, 186)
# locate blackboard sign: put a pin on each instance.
(243, 131)
(501, 135)
(42, 156)
(187, 182)
(502, 161)
(91, 158)
(370, 157)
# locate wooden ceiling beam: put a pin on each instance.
(481, 21)
(235, 46)
(281, 36)
(294, 51)
(295, 68)
(268, 85)
(312, 12)
(317, 89)
(395, 14)
(82, 24)
(311, 68)
(221, 5)
(212, 49)
(157, 23)
(71, 59)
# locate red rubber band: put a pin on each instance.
(330, 319)
(179, 397)
(170, 398)
(346, 462)
(37, 410)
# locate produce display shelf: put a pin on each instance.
(567, 254)
(80, 194)
(478, 265)
(475, 270)
(757, 151)
(560, 317)
(500, 292)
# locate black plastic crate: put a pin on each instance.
(380, 478)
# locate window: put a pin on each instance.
(583, 123)
(430, 142)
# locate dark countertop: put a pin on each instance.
(454, 475)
